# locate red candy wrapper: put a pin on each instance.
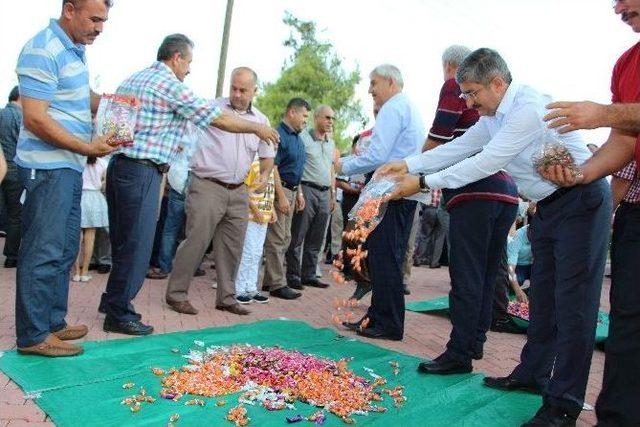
(117, 114)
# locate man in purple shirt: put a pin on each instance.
(217, 201)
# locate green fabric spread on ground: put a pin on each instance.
(87, 389)
(441, 305)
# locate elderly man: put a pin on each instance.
(50, 157)
(570, 229)
(398, 133)
(290, 161)
(217, 202)
(10, 121)
(617, 404)
(135, 173)
(318, 187)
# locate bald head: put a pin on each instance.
(244, 83)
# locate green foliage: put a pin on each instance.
(313, 72)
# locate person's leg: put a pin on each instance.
(172, 225)
(617, 404)
(411, 244)
(11, 190)
(314, 235)
(89, 235)
(258, 246)
(337, 225)
(157, 236)
(276, 244)
(424, 250)
(77, 270)
(501, 288)
(299, 225)
(249, 261)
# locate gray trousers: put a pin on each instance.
(307, 234)
(275, 246)
(433, 232)
(102, 249)
(213, 212)
(411, 244)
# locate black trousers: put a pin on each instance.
(501, 290)
(387, 245)
(619, 400)
(477, 237)
(11, 190)
(569, 239)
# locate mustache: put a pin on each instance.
(628, 15)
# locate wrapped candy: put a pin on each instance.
(518, 309)
(117, 114)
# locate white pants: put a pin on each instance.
(247, 278)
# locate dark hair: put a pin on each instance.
(91, 160)
(355, 140)
(14, 94)
(481, 66)
(172, 44)
(297, 103)
(78, 3)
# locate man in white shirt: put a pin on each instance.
(570, 229)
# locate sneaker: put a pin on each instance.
(260, 299)
(244, 299)
(86, 278)
(214, 285)
(76, 278)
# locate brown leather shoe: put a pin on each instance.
(184, 307)
(156, 274)
(71, 332)
(52, 347)
(234, 308)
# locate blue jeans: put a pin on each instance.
(50, 241)
(173, 223)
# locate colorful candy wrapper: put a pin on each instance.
(117, 114)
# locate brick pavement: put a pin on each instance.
(425, 335)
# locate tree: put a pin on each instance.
(313, 72)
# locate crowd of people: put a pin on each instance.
(217, 177)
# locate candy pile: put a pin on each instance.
(135, 402)
(554, 154)
(518, 309)
(117, 114)
(275, 379)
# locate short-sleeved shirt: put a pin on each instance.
(319, 158)
(166, 106)
(264, 200)
(228, 156)
(291, 156)
(52, 68)
(519, 248)
(625, 88)
(10, 122)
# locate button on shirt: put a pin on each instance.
(52, 68)
(166, 106)
(228, 156)
(319, 158)
(398, 133)
(507, 141)
(291, 156)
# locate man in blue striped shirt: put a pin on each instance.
(50, 156)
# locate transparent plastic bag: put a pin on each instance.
(553, 153)
(117, 114)
(371, 205)
(363, 143)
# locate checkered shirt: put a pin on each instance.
(630, 173)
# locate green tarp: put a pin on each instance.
(86, 390)
(441, 305)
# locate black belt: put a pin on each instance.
(555, 195)
(161, 167)
(316, 186)
(224, 184)
(289, 186)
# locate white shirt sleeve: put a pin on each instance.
(521, 128)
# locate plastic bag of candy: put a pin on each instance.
(553, 153)
(371, 205)
(362, 145)
(117, 114)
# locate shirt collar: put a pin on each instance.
(507, 100)
(56, 29)
(287, 129)
(249, 110)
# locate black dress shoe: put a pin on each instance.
(102, 307)
(295, 285)
(509, 383)
(199, 273)
(361, 290)
(378, 334)
(134, 327)
(103, 268)
(507, 326)
(550, 416)
(354, 326)
(93, 266)
(406, 289)
(285, 293)
(316, 284)
(10, 263)
(445, 366)
(477, 355)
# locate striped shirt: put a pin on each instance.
(166, 106)
(453, 118)
(52, 68)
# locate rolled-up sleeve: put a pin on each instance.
(198, 111)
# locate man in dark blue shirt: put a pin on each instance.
(10, 120)
(289, 164)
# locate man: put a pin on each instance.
(398, 133)
(167, 105)
(289, 161)
(617, 404)
(570, 229)
(308, 226)
(50, 157)
(217, 202)
(10, 120)
(433, 229)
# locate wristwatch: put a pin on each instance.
(423, 183)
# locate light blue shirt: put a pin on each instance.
(508, 140)
(398, 133)
(52, 68)
(519, 248)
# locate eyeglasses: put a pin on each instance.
(470, 95)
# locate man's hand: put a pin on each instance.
(300, 203)
(570, 116)
(282, 205)
(100, 146)
(274, 217)
(258, 216)
(397, 168)
(562, 176)
(268, 134)
(521, 296)
(260, 184)
(332, 204)
(406, 186)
